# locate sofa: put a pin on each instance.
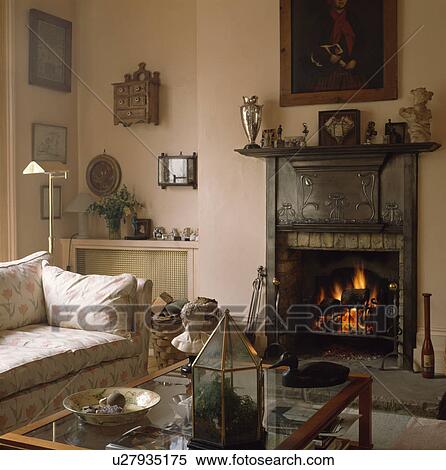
(45, 354)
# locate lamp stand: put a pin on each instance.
(54, 170)
(51, 178)
(50, 214)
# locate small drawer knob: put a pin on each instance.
(129, 113)
(121, 90)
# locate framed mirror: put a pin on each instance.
(177, 170)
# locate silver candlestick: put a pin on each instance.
(251, 114)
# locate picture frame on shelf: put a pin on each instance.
(321, 64)
(143, 228)
(50, 51)
(340, 127)
(57, 202)
(49, 143)
(396, 132)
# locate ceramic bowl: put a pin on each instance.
(138, 403)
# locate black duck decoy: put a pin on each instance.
(312, 375)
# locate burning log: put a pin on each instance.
(355, 296)
(329, 302)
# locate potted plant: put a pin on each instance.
(114, 209)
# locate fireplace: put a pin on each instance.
(342, 243)
(348, 298)
(355, 292)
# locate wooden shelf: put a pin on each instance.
(92, 243)
(341, 151)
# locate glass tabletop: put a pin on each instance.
(169, 424)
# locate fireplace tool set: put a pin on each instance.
(396, 330)
(276, 349)
(254, 306)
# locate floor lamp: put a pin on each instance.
(54, 171)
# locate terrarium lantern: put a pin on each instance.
(227, 383)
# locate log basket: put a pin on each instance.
(163, 330)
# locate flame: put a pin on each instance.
(321, 296)
(359, 279)
(336, 291)
(351, 319)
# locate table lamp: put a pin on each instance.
(80, 206)
(54, 170)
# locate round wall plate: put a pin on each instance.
(103, 175)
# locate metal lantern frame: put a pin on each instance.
(228, 327)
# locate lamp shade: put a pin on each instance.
(80, 204)
(46, 168)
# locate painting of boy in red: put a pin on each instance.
(339, 44)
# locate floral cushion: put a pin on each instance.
(21, 294)
(37, 354)
(93, 303)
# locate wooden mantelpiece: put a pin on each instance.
(393, 173)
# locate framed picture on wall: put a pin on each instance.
(49, 143)
(57, 198)
(50, 40)
(338, 51)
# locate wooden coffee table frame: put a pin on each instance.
(360, 386)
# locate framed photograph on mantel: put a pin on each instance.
(50, 40)
(340, 127)
(338, 51)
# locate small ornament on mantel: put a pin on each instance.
(305, 133)
(280, 142)
(251, 114)
(419, 116)
(370, 133)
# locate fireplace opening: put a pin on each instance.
(346, 303)
(352, 302)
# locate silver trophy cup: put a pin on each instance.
(251, 114)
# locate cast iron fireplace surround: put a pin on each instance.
(351, 200)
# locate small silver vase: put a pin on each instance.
(251, 114)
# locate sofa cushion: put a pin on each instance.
(38, 354)
(93, 303)
(21, 294)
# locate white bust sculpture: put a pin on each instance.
(419, 116)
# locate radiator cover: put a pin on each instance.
(167, 269)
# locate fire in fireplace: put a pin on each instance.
(350, 302)
(341, 299)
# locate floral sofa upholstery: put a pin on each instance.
(41, 364)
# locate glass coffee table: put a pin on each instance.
(293, 418)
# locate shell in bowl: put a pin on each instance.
(138, 403)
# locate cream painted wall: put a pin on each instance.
(238, 53)
(114, 37)
(210, 53)
(40, 105)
